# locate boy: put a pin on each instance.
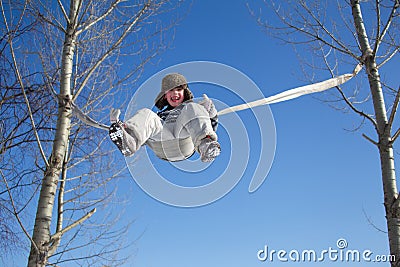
(180, 128)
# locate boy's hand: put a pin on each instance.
(114, 115)
(209, 106)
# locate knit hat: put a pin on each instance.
(169, 82)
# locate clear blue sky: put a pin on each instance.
(324, 183)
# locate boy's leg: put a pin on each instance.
(196, 121)
(132, 134)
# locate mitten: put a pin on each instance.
(209, 106)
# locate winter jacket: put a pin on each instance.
(169, 115)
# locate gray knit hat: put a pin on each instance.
(169, 82)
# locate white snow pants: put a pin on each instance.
(175, 139)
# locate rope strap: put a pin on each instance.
(296, 92)
(86, 119)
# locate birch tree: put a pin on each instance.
(346, 33)
(56, 54)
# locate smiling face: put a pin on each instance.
(175, 96)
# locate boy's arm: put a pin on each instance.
(209, 106)
(212, 111)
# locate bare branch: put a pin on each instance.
(15, 213)
(306, 28)
(53, 20)
(100, 18)
(344, 97)
(372, 224)
(392, 15)
(396, 134)
(322, 26)
(378, 26)
(28, 106)
(66, 229)
(360, 29)
(16, 69)
(355, 109)
(63, 11)
(395, 51)
(394, 109)
(113, 47)
(370, 139)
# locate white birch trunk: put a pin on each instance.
(391, 201)
(41, 233)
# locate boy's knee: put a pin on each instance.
(143, 125)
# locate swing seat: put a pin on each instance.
(172, 150)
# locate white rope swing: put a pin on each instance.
(296, 92)
(87, 120)
(283, 96)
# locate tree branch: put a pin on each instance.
(360, 28)
(395, 51)
(396, 134)
(372, 224)
(28, 106)
(313, 36)
(378, 27)
(113, 47)
(58, 235)
(322, 26)
(344, 97)
(396, 4)
(370, 139)
(57, 25)
(63, 11)
(15, 213)
(359, 112)
(394, 108)
(90, 24)
(17, 73)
